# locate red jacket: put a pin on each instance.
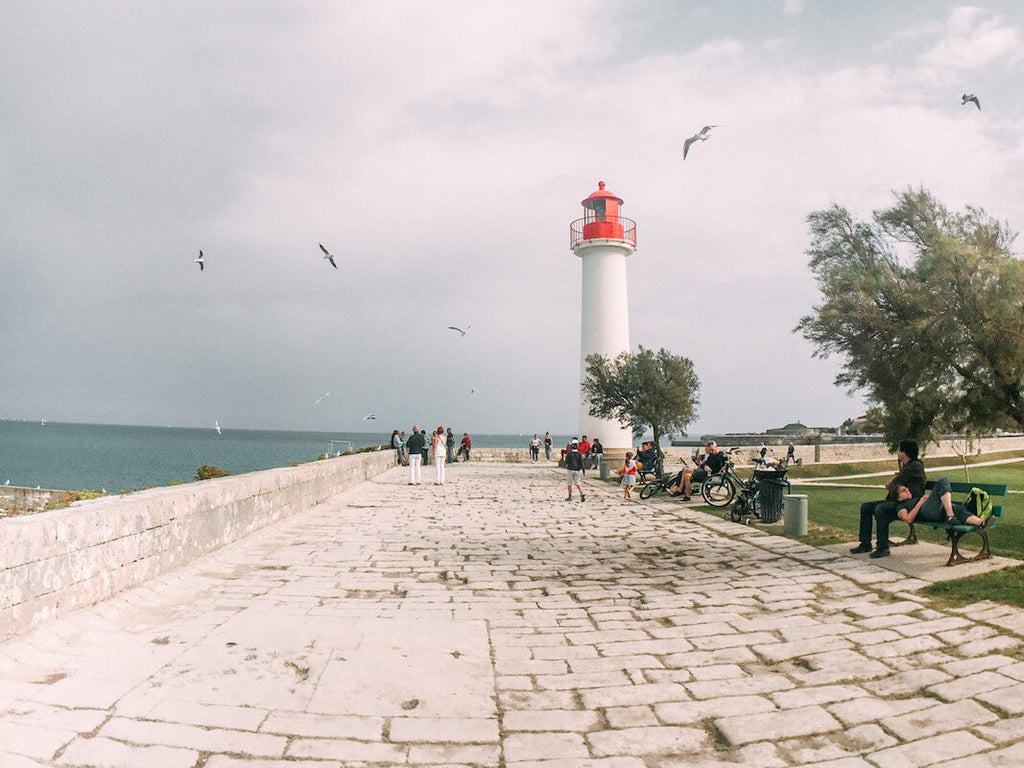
(585, 448)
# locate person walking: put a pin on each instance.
(574, 468)
(414, 445)
(535, 448)
(449, 446)
(440, 454)
(629, 470)
(548, 442)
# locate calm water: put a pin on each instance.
(115, 458)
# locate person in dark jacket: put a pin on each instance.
(416, 445)
(910, 476)
(574, 468)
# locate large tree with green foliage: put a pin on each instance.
(646, 389)
(926, 308)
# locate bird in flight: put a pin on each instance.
(370, 417)
(453, 328)
(473, 391)
(200, 261)
(969, 97)
(327, 255)
(216, 425)
(325, 394)
(701, 135)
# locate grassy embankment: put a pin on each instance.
(834, 516)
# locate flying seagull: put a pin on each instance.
(370, 417)
(200, 261)
(453, 328)
(327, 255)
(968, 97)
(701, 135)
(216, 425)
(325, 394)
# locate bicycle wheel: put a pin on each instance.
(648, 490)
(718, 491)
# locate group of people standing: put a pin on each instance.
(415, 451)
(536, 444)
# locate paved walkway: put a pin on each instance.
(490, 623)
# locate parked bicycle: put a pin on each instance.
(660, 484)
(722, 488)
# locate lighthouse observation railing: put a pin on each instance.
(603, 227)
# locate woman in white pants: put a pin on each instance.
(439, 455)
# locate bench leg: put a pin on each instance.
(911, 538)
(955, 558)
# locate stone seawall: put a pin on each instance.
(56, 561)
(20, 500)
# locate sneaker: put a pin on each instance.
(686, 498)
(568, 498)
(582, 497)
(880, 553)
(860, 549)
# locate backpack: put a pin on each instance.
(979, 503)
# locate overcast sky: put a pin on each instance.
(440, 151)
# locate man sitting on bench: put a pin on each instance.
(714, 461)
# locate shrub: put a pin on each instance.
(207, 472)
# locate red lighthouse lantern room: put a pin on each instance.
(601, 220)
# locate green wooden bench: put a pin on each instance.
(956, 531)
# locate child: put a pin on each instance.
(629, 470)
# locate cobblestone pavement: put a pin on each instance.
(488, 622)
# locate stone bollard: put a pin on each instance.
(606, 470)
(795, 521)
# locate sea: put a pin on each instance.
(116, 458)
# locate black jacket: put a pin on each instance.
(416, 442)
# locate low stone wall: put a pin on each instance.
(22, 500)
(56, 561)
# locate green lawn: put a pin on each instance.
(834, 516)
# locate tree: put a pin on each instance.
(936, 340)
(647, 389)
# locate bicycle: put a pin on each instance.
(719, 489)
(660, 484)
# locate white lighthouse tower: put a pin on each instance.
(603, 239)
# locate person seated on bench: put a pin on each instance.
(936, 507)
(713, 462)
(647, 456)
(883, 511)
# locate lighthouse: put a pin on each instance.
(603, 239)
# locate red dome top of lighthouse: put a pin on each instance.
(601, 220)
(611, 202)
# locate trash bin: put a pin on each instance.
(771, 487)
(795, 523)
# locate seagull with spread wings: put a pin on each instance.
(967, 98)
(327, 255)
(370, 417)
(701, 135)
(325, 394)
(200, 261)
(453, 328)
